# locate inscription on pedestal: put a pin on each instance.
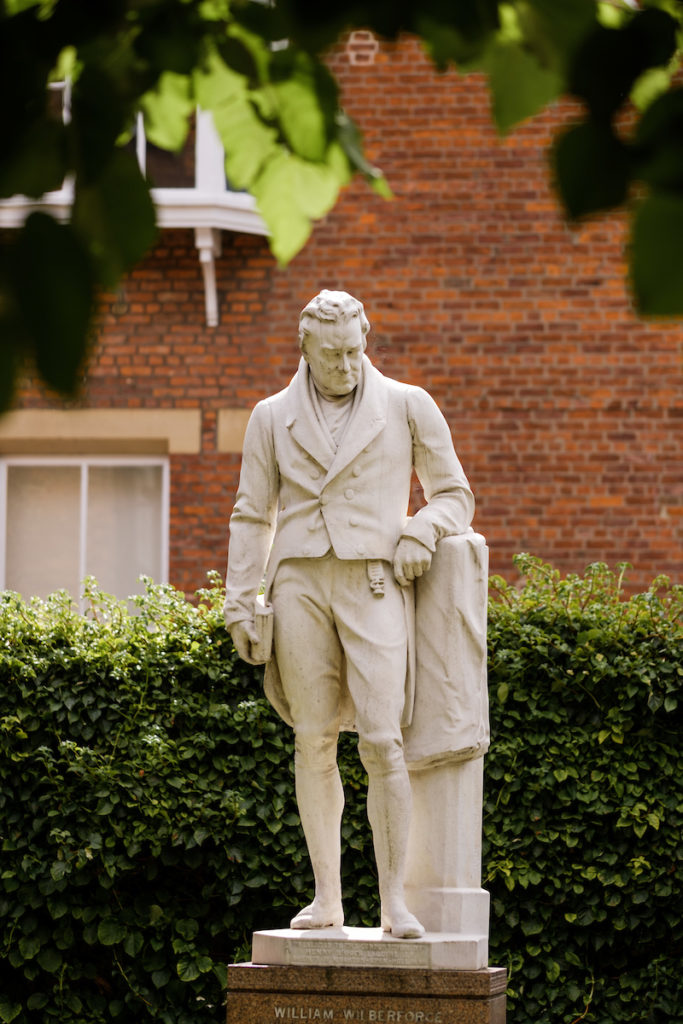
(376, 954)
(378, 1015)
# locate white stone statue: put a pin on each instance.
(322, 511)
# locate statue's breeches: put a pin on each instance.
(334, 641)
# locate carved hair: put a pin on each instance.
(331, 307)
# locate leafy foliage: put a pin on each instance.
(149, 822)
(148, 816)
(260, 69)
(584, 813)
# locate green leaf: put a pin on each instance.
(133, 943)
(659, 142)
(457, 32)
(37, 1001)
(15, 6)
(52, 281)
(221, 973)
(238, 56)
(446, 44)
(50, 960)
(610, 61)
(657, 260)
(156, 914)
(37, 163)
(57, 908)
(554, 29)
(167, 109)
(99, 116)
(248, 142)
(566, 21)
(552, 971)
(8, 1009)
(187, 928)
(74, 1003)
(306, 103)
(592, 167)
(648, 87)
(170, 36)
(29, 946)
(114, 214)
(58, 870)
(187, 969)
(290, 193)
(520, 86)
(110, 931)
(351, 142)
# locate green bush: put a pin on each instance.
(583, 851)
(146, 810)
(148, 821)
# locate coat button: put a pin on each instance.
(314, 474)
(324, 498)
(360, 550)
(306, 549)
(353, 521)
(349, 493)
(356, 470)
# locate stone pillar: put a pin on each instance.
(443, 878)
(445, 744)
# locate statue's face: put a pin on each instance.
(334, 354)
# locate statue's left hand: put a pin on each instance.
(410, 560)
(243, 636)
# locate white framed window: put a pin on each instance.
(66, 517)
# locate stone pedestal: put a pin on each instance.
(443, 875)
(259, 994)
(369, 947)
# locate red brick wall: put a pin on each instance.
(566, 409)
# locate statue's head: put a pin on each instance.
(332, 336)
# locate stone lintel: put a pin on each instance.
(230, 429)
(86, 431)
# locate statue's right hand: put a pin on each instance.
(243, 634)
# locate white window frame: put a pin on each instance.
(85, 462)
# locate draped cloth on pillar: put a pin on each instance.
(450, 721)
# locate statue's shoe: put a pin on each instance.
(402, 924)
(319, 916)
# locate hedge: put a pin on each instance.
(583, 851)
(149, 825)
